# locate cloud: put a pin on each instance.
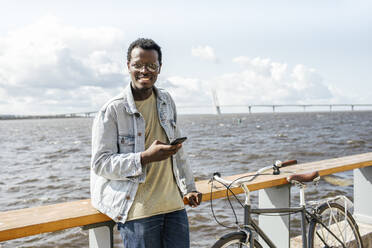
(204, 52)
(260, 81)
(62, 66)
(188, 91)
(49, 67)
(263, 81)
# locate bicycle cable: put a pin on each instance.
(251, 179)
(211, 204)
(228, 189)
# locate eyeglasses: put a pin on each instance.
(151, 66)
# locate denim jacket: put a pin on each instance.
(118, 138)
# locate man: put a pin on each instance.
(137, 178)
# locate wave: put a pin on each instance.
(62, 153)
(306, 153)
(33, 180)
(337, 181)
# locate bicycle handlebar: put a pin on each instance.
(217, 175)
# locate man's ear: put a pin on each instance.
(128, 65)
(159, 69)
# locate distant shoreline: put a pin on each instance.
(38, 117)
(14, 117)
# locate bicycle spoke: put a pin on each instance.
(336, 223)
(334, 228)
(329, 222)
(322, 239)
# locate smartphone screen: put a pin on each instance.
(178, 141)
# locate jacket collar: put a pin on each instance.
(129, 103)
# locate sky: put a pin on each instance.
(70, 56)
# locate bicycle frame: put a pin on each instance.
(249, 222)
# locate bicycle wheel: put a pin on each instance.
(235, 239)
(342, 228)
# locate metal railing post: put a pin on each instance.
(362, 195)
(101, 235)
(277, 227)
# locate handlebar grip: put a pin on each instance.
(289, 162)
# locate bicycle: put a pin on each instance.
(330, 223)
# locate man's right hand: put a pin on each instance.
(158, 151)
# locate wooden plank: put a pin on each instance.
(79, 213)
(30, 221)
(325, 167)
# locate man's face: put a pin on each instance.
(143, 68)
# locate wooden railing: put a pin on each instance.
(274, 191)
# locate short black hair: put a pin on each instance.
(146, 44)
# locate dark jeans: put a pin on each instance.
(169, 230)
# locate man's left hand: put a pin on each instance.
(193, 198)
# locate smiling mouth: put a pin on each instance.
(144, 78)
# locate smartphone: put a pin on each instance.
(178, 141)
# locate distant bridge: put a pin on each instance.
(218, 108)
(276, 106)
(304, 106)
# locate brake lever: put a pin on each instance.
(276, 170)
(276, 167)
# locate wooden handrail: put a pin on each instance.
(61, 216)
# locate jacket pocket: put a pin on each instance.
(126, 143)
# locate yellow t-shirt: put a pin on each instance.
(159, 193)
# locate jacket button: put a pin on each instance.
(139, 134)
(137, 115)
(119, 218)
(127, 197)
